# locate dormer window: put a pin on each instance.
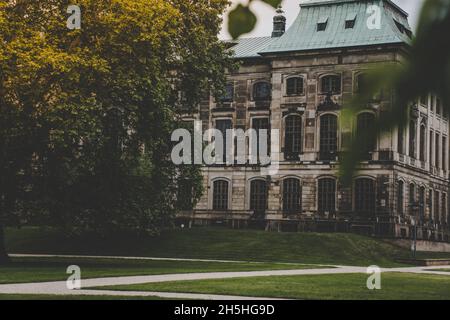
(350, 21)
(322, 24)
(261, 91)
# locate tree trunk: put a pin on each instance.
(4, 259)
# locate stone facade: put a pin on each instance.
(405, 175)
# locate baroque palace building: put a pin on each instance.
(297, 81)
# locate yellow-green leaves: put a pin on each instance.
(242, 20)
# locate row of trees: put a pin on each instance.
(86, 115)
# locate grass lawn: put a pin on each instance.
(395, 286)
(52, 269)
(218, 243)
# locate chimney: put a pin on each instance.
(279, 23)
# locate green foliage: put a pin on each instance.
(242, 20)
(427, 70)
(86, 115)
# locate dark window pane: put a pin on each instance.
(365, 196)
(220, 195)
(258, 196)
(291, 196)
(229, 93)
(331, 84)
(400, 198)
(412, 139)
(366, 122)
(223, 126)
(327, 196)
(328, 137)
(293, 135)
(294, 86)
(261, 91)
(261, 124)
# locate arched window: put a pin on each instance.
(294, 86)
(365, 196)
(293, 137)
(423, 140)
(328, 137)
(220, 195)
(258, 196)
(400, 198)
(327, 196)
(262, 91)
(366, 122)
(331, 84)
(412, 139)
(292, 195)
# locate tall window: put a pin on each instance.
(331, 84)
(220, 195)
(361, 82)
(444, 153)
(430, 203)
(261, 124)
(365, 196)
(292, 196)
(400, 198)
(422, 202)
(437, 149)
(258, 196)
(412, 139)
(365, 122)
(261, 91)
(294, 86)
(412, 195)
(423, 137)
(400, 140)
(328, 137)
(431, 147)
(444, 208)
(437, 214)
(327, 196)
(293, 136)
(223, 126)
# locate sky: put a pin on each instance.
(265, 14)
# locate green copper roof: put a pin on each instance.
(303, 35)
(249, 47)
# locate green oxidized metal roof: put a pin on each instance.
(250, 47)
(303, 34)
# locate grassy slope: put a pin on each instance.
(324, 287)
(217, 243)
(54, 269)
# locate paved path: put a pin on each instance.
(59, 287)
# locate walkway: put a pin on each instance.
(59, 287)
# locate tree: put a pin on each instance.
(86, 115)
